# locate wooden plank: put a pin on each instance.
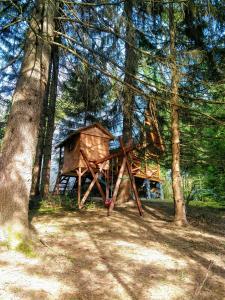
(91, 185)
(93, 175)
(116, 189)
(65, 186)
(71, 155)
(98, 130)
(79, 187)
(85, 170)
(107, 184)
(95, 148)
(110, 156)
(138, 202)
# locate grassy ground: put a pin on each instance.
(90, 256)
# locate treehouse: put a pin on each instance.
(92, 141)
(86, 155)
(144, 164)
(146, 167)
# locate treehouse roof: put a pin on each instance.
(82, 130)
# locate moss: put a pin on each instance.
(49, 210)
(27, 248)
(18, 241)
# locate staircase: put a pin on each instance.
(61, 184)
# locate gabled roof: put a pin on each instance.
(82, 129)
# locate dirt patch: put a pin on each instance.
(91, 256)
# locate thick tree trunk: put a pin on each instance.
(179, 204)
(20, 140)
(130, 69)
(45, 180)
(128, 96)
(36, 176)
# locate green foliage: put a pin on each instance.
(83, 97)
(88, 95)
(91, 205)
(27, 248)
(17, 242)
(166, 184)
(208, 204)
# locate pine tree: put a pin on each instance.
(179, 205)
(19, 144)
(47, 149)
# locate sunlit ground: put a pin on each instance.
(91, 256)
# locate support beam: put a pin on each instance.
(107, 184)
(93, 174)
(95, 178)
(79, 186)
(84, 171)
(119, 179)
(138, 202)
(113, 155)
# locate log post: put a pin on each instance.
(119, 179)
(93, 175)
(133, 185)
(79, 186)
(107, 184)
(91, 185)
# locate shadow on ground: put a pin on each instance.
(90, 256)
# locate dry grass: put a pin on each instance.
(91, 256)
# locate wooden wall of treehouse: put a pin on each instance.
(141, 168)
(93, 141)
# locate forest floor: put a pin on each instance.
(90, 256)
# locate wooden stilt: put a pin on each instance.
(84, 171)
(113, 155)
(138, 202)
(91, 185)
(93, 175)
(107, 184)
(119, 179)
(79, 186)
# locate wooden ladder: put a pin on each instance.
(61, 184)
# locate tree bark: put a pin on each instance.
(130, 69)
(45, 180)
(20, 140)
(131, 61)
(179, 204)
(36, 175)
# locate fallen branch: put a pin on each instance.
(199, 289)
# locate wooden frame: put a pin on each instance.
(99, 169)
(125, 164)
(93, 182)
(92, 155)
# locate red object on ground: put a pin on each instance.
(108, 202)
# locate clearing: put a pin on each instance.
(90, 256)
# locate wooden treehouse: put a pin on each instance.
(142, 166)
(91, 142)
(77, 155)
(85, 154)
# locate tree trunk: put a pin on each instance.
(131, 61)
(179, 204)
(20, 140)
(36, 176)
(45, 180)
